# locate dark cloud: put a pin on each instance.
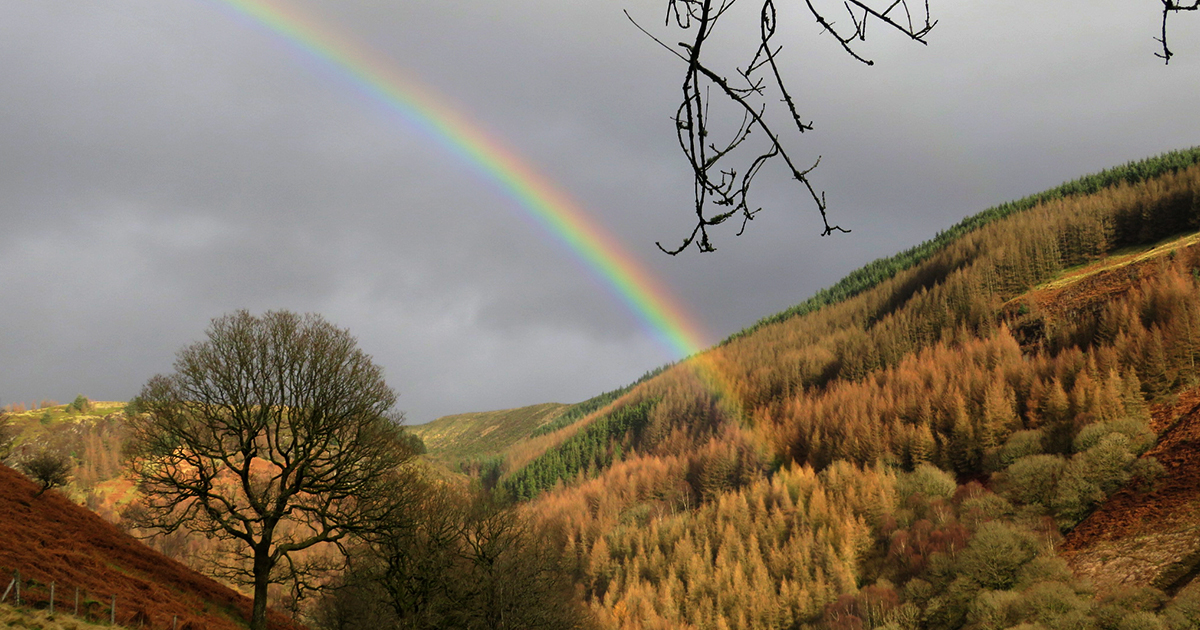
(164, 163)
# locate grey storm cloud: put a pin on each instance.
(163, 163)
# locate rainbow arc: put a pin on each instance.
(552, 209)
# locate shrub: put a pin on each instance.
(1140, 437)
(1141, 620)
(983, 507)
(993, 610)
(1184, 611)
(49, 468)
(1076, 493)
(927, 480)
(1148, 473)
(1055, 605)
(1044, 569)
(1034, 479)
(8, 433)
(1019, 444)
(81, 404)
(995, 554)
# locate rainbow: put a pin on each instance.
(551, 208)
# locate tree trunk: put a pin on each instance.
(262, 575)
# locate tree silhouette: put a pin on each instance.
(276, 435)
(723, 158)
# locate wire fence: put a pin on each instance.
(29, 593)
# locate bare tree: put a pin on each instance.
(724, 162)
(1170, 7)
(750, 88)
(275, 434)
(48, 467)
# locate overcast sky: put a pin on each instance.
(163, 162)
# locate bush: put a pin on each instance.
(1140, 437)
(1184, 611)
(984, 507)
(1148, 473)
(49, 468)
(1109, 461)
(81, 404)
(993, 610)
(927, 480)
(996, 553)
(1076, 493)
(1044, 569)
(8, 433)
(1019, 444)
(134, 407)
(1141, 620)
(1033, 479)
(1055, 605)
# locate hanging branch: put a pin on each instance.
(721, 188)
(1169, 7)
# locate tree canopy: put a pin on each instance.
(275, 434)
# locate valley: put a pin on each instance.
(996, 429)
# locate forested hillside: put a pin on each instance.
(911, 451)
(993, 430)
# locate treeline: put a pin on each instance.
(804, 383)
(578, 411)
(882, 269)
(595, 448)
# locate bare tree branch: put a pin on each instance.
(1169, 7)
(725, 169)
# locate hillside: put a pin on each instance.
(926, 447)
(461, 437)
(49, 539)
(995, 430)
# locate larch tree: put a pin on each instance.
(275, 434)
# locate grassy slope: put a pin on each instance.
(456, 438)
(11, 617)
(49, 539)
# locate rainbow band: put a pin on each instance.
(562, 218)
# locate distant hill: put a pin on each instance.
(51, 540)
(467, 436)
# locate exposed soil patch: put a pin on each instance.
(1152, 537)
(1085, 291)
(49, 539)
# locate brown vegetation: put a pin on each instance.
(1025, 355)
(49, 539)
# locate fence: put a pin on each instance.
(48, 599)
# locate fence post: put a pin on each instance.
(174, 620)
(112, 615)
(52, 598)
(76, 601)
(18, 587)
(11, 583)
